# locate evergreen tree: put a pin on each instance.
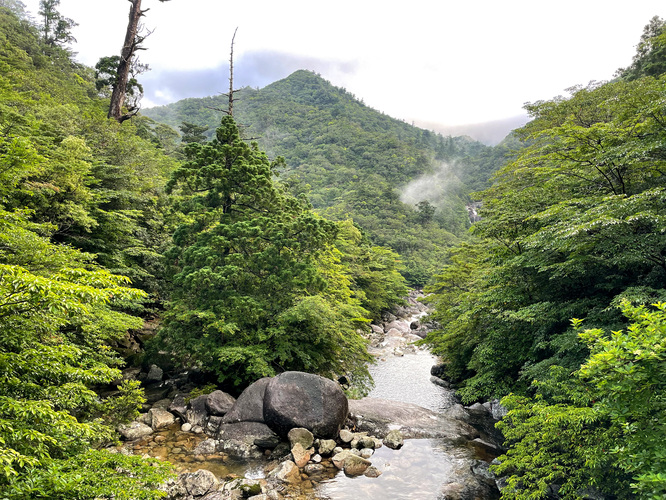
(251, 295)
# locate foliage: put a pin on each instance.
(571, 226)
(601, 429)
(69, 180)
(250, 297)
(56, 322)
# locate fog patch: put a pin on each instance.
(437, 187)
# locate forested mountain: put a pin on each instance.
(353, 161)
(104, 222)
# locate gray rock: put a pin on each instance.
(179, 407)
(213, 425)
(326, 446)
(205, 447)
(379, 416)
(351, 464)
(300, 435)
(240, 439)
(297, 399)
(440, 382)
(372, 471)
(160, 419)
(287, 472)
(219, 403)
(367, 452)
(300, 455)
(155, 374)
(346, 436)
(198, 483)
(134, 430)
(249, 407)
(311, 469)
(196, 413)
(394, 440)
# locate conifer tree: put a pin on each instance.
(250, 298)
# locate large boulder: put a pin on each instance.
(196, 413)
(243, 439)
(297, 399)
(218, 403)
(249, 407)
(134, 430)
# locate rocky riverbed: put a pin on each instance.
(375, 447)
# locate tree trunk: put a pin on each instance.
(126, 55)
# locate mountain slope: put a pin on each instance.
(353, 161)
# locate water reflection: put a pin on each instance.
(407, 379)
(416, 471)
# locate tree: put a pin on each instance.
(127, 64)
(650, 57)
(56, 29)
(57, 318)
(601, 428)
(250, 296)
(192, 133)
(571, 226)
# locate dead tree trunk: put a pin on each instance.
(132, 41)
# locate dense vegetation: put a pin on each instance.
(572, 235)
(103, 224)
(354, 162)
(556, 302)
(71, 183)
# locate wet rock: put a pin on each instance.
(205, 447)
(219, 403)
(350, 463)
(249, 407)
(300, 435)
(438, 370)
(379, 416)
(367, 452)
(440, 382)
(178, 406)
(213, 425)
(372, 471)
(155, 374)
(186, 427)
(196, 413)
(286, 472)
(134, 430)
(160, 419)
(301, 456)
(394, 440)
(311, 469)
(239, 439)
(297, 399)
(326, 446)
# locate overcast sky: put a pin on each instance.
(429, 62)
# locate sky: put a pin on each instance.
(434, 63)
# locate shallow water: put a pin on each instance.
(415, 471)
(407, 379)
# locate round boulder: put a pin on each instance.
(297, 399)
